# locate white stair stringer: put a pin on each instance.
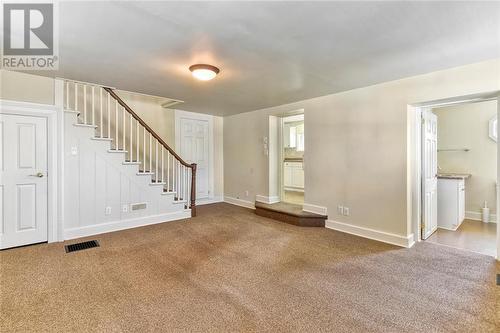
(100, 185)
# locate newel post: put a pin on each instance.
(193, 190)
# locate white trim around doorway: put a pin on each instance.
(50, 112)
(414, 156)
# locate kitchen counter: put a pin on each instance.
(452, 175)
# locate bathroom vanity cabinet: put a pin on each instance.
(451, 201)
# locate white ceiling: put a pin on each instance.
(269, 53)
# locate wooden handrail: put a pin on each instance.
(160, 140)
(149, 129)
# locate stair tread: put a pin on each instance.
(85, 125)
(288, 209)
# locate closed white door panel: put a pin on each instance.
(23, 180)
(194, 149)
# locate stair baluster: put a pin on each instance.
(100, 109)
(137, 141)
(93, 105)
(85, 104)
(131, 151)
(124, 128)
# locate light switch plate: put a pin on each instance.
(125, 208)
(346, 211)
(74, 150)
(107, 211)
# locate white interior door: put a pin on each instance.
(194, 149)
(429, 173)
(23, 180)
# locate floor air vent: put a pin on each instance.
(498, 279)
(81, 246)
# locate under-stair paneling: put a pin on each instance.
(100, 188)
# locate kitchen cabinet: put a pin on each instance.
(293, 177)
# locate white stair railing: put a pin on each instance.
(93, 104)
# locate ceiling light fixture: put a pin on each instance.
(204, 72)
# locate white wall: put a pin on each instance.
(17, 86)
(356, 145)
(466, 126)
(218, 157)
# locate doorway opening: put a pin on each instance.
(455, 188)
(292, 161)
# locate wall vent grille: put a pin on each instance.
(138, 206)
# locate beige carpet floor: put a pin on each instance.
(228, 270)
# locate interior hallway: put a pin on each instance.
(231, 270)
(471, 235)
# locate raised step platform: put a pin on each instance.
(290, 213)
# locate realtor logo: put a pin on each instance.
(29, 36)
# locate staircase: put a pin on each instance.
(109, 119)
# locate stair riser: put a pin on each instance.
(295, 220)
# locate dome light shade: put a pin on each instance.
(204, 72)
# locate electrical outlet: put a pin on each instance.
(340, 209)
(346, 211)
(107, 211)
(246, 193)
(125, 208)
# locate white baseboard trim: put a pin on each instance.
(449, 229)
(478, 216)
(267, 200)
(125, 224)
(314, 209)
(207, 201)
(239, 202)
(381, 236)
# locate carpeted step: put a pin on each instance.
(290, 213)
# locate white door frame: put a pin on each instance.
(414, 157)
(179, 114)
(54, 224)
(281, 159)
